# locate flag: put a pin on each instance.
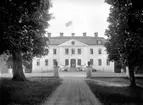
(69, 23)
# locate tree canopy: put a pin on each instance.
(125, 40)
(23, 24)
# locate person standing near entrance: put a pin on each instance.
(88, 70)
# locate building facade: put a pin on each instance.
(74, 52)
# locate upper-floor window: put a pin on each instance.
(91, 62)
(73, 51)
(108, 62)
(99, 51)
(79, 61)
(38, 62)
(54, 51)
(79, 51)
(66, 51)
(91, 51)
(46, 62)
(99, 62)
(66, 62)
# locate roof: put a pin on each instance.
(89, 40)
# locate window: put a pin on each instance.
(79, 51)
(66, 51)
(38, 62)
(66, 62)
(54, 62)
(99, 62)
(46, 62)
(99, 51)
(91, 51)
(91, 61)
(79, 61)
(108, 62)
(54, 51)
(73, 51)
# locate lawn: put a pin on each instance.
(32, 92)
(116, 95)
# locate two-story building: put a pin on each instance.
(74, 51)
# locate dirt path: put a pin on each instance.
(73, 91)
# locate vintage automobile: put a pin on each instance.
(81, 67)
(64, 68)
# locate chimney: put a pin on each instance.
(96, 34)
(84, 34)
(61, 34)
(49, 35)
(73, 34)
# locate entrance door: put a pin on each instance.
(73, 63)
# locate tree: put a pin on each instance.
(23, 24)
(26, 62)
(125, 41)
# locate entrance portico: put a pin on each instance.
(72, 54)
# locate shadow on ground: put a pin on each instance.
(116, 95)
(31, 92)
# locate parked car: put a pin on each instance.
(64, 68)
(81, 67)
(94, 70)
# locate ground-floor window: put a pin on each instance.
(46, 62)
(91, 61)
(108, 62)
(99, 62)
(66, 62)
(79, 61)
(38, 62)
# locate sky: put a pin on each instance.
(86, 16)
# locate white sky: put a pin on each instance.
(86, 15)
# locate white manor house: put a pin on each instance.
(74, 52)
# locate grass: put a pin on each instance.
(113, 95)
(31, 92)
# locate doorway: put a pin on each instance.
(73, 63)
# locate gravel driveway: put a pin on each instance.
(73, 91)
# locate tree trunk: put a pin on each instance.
(18, 74)
(131, 75)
